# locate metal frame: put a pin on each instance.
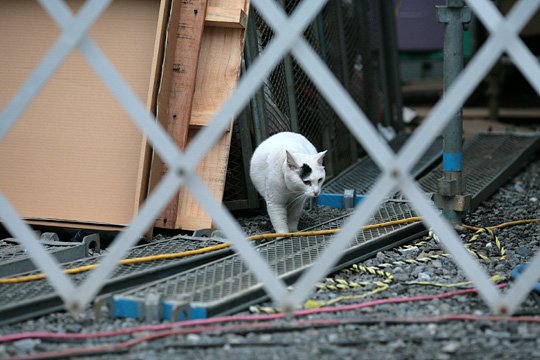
(395, 168)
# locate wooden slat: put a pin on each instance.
(175, 112)
(212, 169)
(218, 72)
(217, 75)
(143, 175)
(226, 17)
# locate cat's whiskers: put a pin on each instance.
(301, 196)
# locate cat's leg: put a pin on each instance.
(293, 214)
(278, 216)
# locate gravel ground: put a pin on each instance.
(385, 331)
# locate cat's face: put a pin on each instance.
(305, 173)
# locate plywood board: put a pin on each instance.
(75, 155)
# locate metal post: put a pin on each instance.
(257, 103)
(452, 197)
(291, 89)
(390, 52)
(384, 83)
(368, 70)
(291, 93)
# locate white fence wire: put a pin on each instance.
(395, 168)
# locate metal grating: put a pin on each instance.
(14, 257)
(28, 299)
(488, 161)
(362, 175)
(227, 284)
(347, 36)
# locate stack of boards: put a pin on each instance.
(75, 158)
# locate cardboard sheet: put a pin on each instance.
(75, 155)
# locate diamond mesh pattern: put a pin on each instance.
(504, 37)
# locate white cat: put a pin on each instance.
(286, 169)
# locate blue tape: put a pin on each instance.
(336, 200)
(452, 161)
(516, 273)
(189, 313)
(126, 308)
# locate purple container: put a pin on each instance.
(417, 25)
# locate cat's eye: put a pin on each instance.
(307, 182)
(320, 180)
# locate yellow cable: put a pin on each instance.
(177, 255)
(503, 225)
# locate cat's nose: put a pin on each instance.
(316, 193)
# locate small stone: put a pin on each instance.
(533, 199)
(519, 187)
(333, 337)
(450, 347)
(26, 345)
(524, 251)
(398, 270)
(424, 276)
(418, 269)
(409, 249)
(193, 338)
(73, 328)
(266, 338)
(431, 329)
(401, 277)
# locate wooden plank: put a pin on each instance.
(151, 101)
(213, 170)
(175, 112)
(217, 76)
(226, 17)
(218, 72)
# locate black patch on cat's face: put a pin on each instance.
(305, 171)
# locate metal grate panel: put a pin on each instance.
(362, 175)
(488, 161)
(27, 299)
(228, 283)
(14, 257)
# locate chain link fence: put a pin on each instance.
(355, 39)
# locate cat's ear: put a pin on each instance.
(291, 161)
(320, 157)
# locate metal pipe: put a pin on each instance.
(452, 197)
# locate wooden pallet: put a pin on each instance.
(198, 78)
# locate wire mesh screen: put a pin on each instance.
(347, 36)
